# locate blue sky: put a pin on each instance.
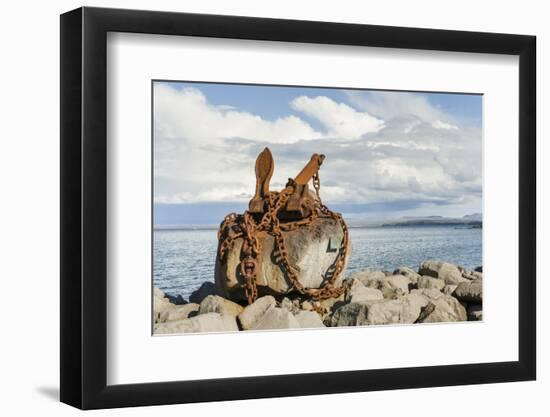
(271, 102)
(388, 153)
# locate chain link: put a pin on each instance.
(245, 227)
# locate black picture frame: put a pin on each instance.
(84, 207)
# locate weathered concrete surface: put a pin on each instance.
(311, 250)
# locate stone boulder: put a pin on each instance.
(470, 291)
(367, 313)
(430, 293)
(327, 305)
(161, 305)
(207, 288)
(366, 294)
(409, 273)
(442, 270)
(276, 318)
(209, 322)
(413, 305)
(471, 275)
(367, 276)
(447, 308)
(449, 289)
(352, 314)
(426, 281)
(391, 286)
(179, 312)
(255, 311)
(291, 305)
(311, 251)
(176, 299)
(308, 319)
(384, 312)
(356, 291)
(160, 302)
(217, 304)
(421, 305)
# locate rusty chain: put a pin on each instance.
(245, 227)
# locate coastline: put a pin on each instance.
(436, 292)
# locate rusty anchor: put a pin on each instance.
(276, 214)
(300, 202)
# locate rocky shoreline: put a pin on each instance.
(436, 292)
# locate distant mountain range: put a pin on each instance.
(467, 220)
(472, 220)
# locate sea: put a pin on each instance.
(184, 259)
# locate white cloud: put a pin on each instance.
(341, 120)
(438, 124)
(409, 150)
(392, 104)
(186, 114)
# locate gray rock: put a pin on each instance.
(404, 309)
(442, 270)
(176, 299)
(409, 273)
(363, 293)
(276, 318)
(289, 305)
(328, 304)
(429, 293)
(384, 312)
(367, 313)
(471, 275)
(470, 291)
(209, 322)
(366, 277)
(307, 306)
(207, 288)
(179, 312)
(475, 312)
(392, 286)
(398, 283)
(308, 319)
(352, 314)
(412, 307)
(447, 309)
(449, 289)
(366, 294)
(254, 312)
(351, 285)
(479, 269)
(428, 282)
(161, 305)
(217, 304)
(310, 250)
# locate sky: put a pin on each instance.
(388, 153)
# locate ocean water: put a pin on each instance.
(184, 259)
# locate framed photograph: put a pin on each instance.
(257, 207)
